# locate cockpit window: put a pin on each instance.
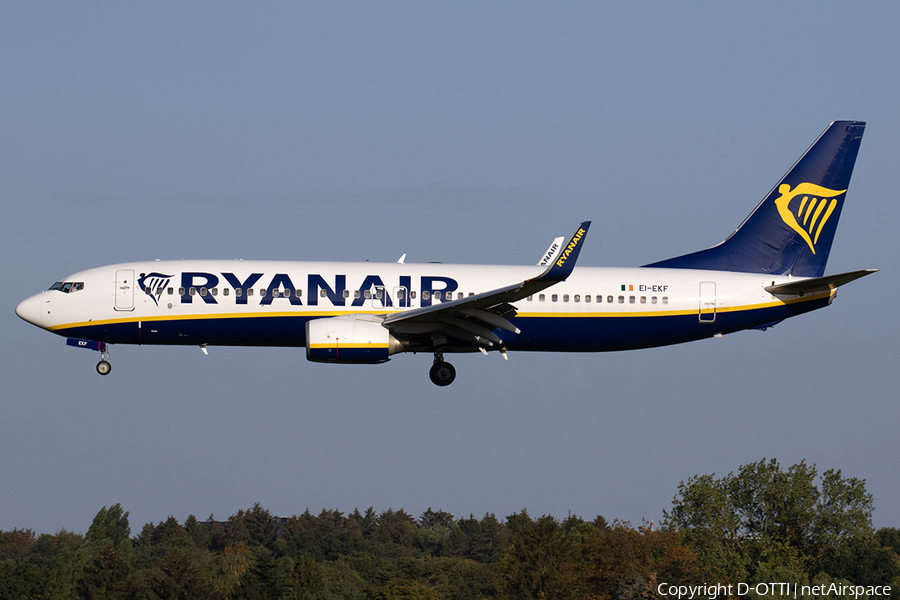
(67, 287)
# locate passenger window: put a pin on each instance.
(665, 299)
(356, 294)
(203, 291)
(238, 292)
(298, 292)
(578, 298)
(630, 299)
(399, 294)
(367, 294)
(621, 299)
(346, 293)
(426, 295)
(192, 291)
(609, 299)
(225, 291)
(565, 297)
(412, 294)
(554, 297)
(530, 298)
(653, 300)
(643, 299)
(471, 294)
(321, 293)
(181, 291)
(541, 297)
(249, 292)
(437, 295)
(378, 294)
(459, 296)
(170, 291)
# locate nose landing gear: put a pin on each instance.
(103, 367)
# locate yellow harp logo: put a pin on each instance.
(811, 211)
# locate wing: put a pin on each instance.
(472, 319)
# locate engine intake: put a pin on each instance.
(359, 339)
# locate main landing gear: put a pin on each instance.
(441, 373)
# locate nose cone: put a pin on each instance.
(30, 310)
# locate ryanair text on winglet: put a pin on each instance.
(570, 248)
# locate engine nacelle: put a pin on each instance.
(350, 339)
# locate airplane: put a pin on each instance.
(770, 268)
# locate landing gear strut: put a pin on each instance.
(441, 373)
(103, 367)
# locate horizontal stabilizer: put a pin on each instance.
(817, 284)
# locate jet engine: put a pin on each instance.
(357, 339)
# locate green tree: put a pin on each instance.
(890, 537)
(176, 577)
(197, 532)
(703, 512)
(769, 516)
(432, 531)
(396, 533)
(304, 578)
(105, 575)
(110, 524)
(106, 556)
(531, 563)
(402, 589)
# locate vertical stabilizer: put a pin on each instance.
(792, 229)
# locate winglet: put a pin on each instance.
(551, 253)
(562, 267)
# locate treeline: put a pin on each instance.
(334, 555)
(763, 524)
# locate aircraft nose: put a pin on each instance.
(30, 310)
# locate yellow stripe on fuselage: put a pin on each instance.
(523, 314)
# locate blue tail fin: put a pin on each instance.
(791, 230)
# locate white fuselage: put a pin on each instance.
(243, 302)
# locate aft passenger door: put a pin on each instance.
(707, 301)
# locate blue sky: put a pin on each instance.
(471, 132)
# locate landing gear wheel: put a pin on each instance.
(103, 367)
(442, 373)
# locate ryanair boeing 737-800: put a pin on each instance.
(771, 268)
